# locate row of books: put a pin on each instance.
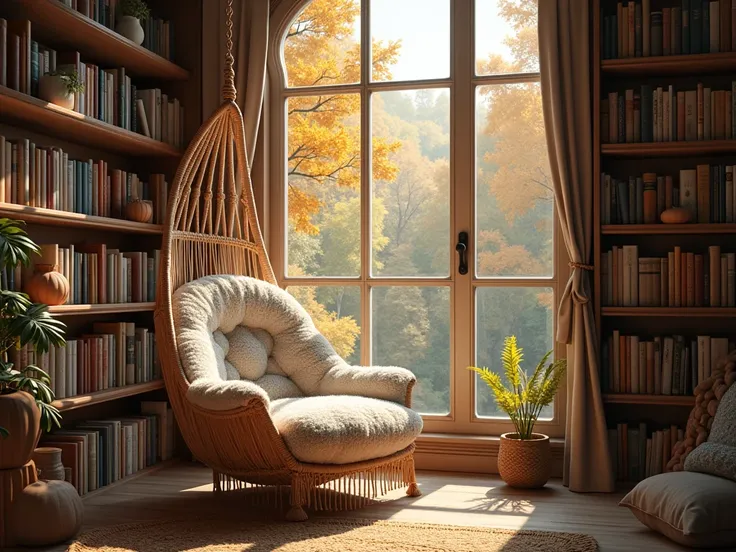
(113, 354)
(706, 191)
(109, 94)
(682, 279)
(690, 27)
(45, 177)
(101, 452)
(670, 365)
(96, 274)
(636, 454)
(158, 32)
(663, 114)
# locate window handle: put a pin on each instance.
(462, 251)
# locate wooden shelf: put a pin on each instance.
(59, 26)
(669, 149)
(81, 401)
(660, 400)
(110, 308)
(690, 64)
(63, 123)
(52, 217)
(689, 312)
(145, 471)
(654, 229)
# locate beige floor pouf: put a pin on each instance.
(46, 512)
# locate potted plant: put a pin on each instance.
(524, 458)
(131, 14)
(25, 395)
(60, 87)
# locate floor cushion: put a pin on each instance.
(692, 509)
(340, 429)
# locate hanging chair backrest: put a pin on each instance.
(211, 222)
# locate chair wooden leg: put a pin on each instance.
(297, 500)
(413, 489)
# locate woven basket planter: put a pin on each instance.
(527, 463)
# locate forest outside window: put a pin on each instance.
(393, 142)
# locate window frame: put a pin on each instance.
(462, 82)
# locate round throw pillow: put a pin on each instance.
(708, 396)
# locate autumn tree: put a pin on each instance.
(324, 135)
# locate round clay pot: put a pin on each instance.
(48, 286)
(44, 513)
(525, 464)
(675, 215)
(53, 90)
(22, 418)
(139, 210)
(130, 27)
(48, 463)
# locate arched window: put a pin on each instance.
(398, 131)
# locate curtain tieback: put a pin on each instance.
(582, 266)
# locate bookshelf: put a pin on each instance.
(51, 127)
(625, 158)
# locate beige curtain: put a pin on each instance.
(566, 89)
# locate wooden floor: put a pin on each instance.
(456, 499)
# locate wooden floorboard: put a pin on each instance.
(185, 489)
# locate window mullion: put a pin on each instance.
(365, 191)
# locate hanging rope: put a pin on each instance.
(228, 89)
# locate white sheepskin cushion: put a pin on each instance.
(341, 429)
(235, 328)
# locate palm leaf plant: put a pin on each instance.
(23, 322)
(523, 396)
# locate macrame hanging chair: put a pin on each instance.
(212, 228)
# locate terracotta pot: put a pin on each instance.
(130, 27)
(44, 513)
(139, 210)
(48, 286)
(52, 89)
(48, 463)
(22, 418)
(525, 464)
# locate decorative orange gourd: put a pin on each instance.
(139, 210)
(46, 512)
(48, 286)
(22, 418)
(675, 215)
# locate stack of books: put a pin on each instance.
(706, 191)
(663, 114)
(161, 117)
(101, 452)
(159, 36)
(686, 27)
(46, 177)
(636, 456)
(22, 59)
(113, 354)
(669, 365)
(682, 279)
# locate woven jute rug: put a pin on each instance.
(322, 536)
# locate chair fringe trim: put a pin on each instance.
(325, 491)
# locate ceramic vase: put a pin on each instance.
(48, 463)
(525, 463)
(45, 513)
(130, 27)
(52, 88)
(48, 286)
(22, 418)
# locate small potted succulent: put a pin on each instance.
(25, 395)
(60, 87)
(129, 24)
(524, 457)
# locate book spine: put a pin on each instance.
(714, 273)
(685, 38)
(656, 33)
(714, 27)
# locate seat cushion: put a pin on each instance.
(717, 456)
(340, 429)
(693, 509)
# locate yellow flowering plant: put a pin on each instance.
(523, 397)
